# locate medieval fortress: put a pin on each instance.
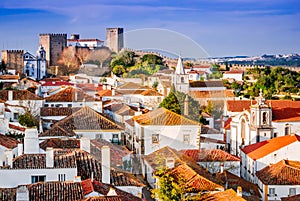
(54, 44)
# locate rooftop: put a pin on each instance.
(19, 95)
(8, 142)
(162, 116)
(57, 111)
(210, 155)
(205, 84)
(282, 173)
(261, 149)
(83, 119)
(228, 195)
(70, 94)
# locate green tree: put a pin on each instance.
(155, 84)
(152, 59)
(170, 188)
(118, 70)
(28, 120)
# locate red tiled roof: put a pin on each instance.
(105, 92)
(84, 119)
(193, 181)
(282, 173)
(8, 142)
(9, 77)
(261, 149)
(206, 84)
(58, 111)
(89, 87)
(19, 95)
(60, 143)
(8, 194)
(228, 195)
(56, 83)
(151, 92)
(208, 130)
(162, 116)
(70, 94)
(117, 151)
(234, 72)
(211, 140)
(131, 86)
(209, 155)
(291, 198)
(15, 127)
(227, 124)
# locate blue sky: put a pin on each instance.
(220, 27)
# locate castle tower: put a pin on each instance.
(180, 79)
(260, 120)
(54, 45)
(13, 59)
(114, 39)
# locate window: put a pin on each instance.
(186, 138)
(287, 129)
(292, 191)
(16, 115)
(69, 105)
(271, 192)
(265, 118)
(275, 135)
(155, 138)
(61, 177)
(182, 79)
(115, 136)
(38, 178)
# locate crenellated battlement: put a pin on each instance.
(54, 34)
(13, 51)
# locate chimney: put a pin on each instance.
(49, 157)
(20, 149)
(85, 144)
(105, 154)
(108, 87)
(170, 162)
(22, 194)
(31, 141)
(239, 191)
(9, 157)
(76, 94)
(104, 87)
(113, 92)
(10, 95)
(186, 106)
(221, 168)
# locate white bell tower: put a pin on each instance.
(180, 79)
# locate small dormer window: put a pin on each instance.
(182, 79)
(287, 129)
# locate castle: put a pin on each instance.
(13, 60)
(114, 39)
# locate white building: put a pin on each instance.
(257, 156)
(237, 75)
(279, 180)
(180, 79)
(75, 41)
(265, 120)
(162, 127)
(35, 67)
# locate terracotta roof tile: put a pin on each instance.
(211, 140)
(205, 84)
(207, 94)
(9, 77)
(131, 85)
(59, 143)
(208, 130)
(228, 195)
(151, 92)
(117, 151)
(19, 95)
(261, 149)
(250, 189)
(69, 95)
(158, 158)
(162, 116)
(130, 122)
(210, 155)
(89, 87)
(291, 198)
(58, 111)
(282, 173)
(234, 72)
(193, 180)
(227, 124)
(15, 127)
(105, 92)
(84, 119)
(8, 194)
(48, 191)
(8, 142)
(38, 161)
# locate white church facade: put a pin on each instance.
(35, 66)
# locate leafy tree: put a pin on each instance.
(28, 120)
(175, 102)
(155, 84)
(82, 54)
(125, 58)
(118, 70)
(152, 59)
(100, 55)
(169, 188)
(1, 85)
